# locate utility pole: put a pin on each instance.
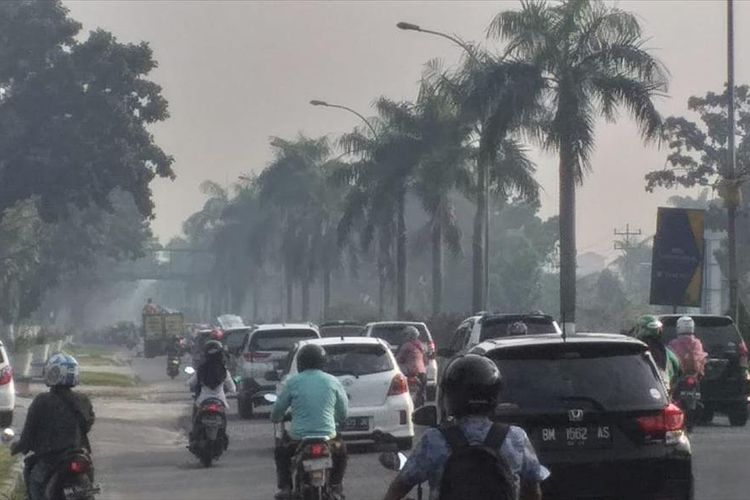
(625, 244)
(731, 198)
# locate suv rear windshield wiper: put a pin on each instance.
(597, 404)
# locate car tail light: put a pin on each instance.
(78, 466)
(743, 354)
(318, 450)
(213, 408)
(254, 356)
(6, 375)
(671, 419)
(398, 385)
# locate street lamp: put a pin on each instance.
(486, 173)
(317, 102)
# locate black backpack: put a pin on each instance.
(476, 472)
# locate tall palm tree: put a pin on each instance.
(594, 61)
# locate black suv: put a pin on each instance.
(724, 387)
(598, 415)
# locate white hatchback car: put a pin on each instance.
(379, 398)
(7, 390)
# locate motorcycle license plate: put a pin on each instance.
(317, 464)
(80, 492)
(356, 424)
(576, 437)
(212, 420)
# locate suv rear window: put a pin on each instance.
(340, 330)
(493, 328)
(394, 334)
(279, 340)
(717, 333)
(551, 379)
(353, 359)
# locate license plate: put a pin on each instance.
(317, 464)
(356, 424)
(576, 437)
(80, 492)
(212, 420)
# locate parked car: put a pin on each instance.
(725, 386)
(597, 413)
(393, 333)
(486, 326)
(266, 349)
(7, 389)
(379, 400)
(341, 328)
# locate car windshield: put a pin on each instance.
(394, 334)
(541, 381)
(279, 340)
(357, 359)
(494, 328)
(340, 330)
(718, 334)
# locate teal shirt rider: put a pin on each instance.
(318, 402)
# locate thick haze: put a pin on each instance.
(237, 72)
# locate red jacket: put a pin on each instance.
(411, 358)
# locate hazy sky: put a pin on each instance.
(238, 72)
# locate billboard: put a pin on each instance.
(677, 260)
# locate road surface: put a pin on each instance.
(140, 453)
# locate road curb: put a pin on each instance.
(9, 485)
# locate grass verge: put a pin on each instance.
(106, 379)
(6, 467)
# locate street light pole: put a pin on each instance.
(483, 177)
(316, 102)
(732, 188)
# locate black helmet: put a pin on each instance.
(311, 357)
(471, 385)
(213, 348)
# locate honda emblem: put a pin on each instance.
(575, 415)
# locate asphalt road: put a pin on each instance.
(140, 453)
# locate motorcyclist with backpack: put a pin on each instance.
(688, 348)
(472, 457)
(318, 402)
(57, 422)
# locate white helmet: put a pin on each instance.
(685, 325)
(411, 332)
(61, 370)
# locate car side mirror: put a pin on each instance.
(273, 376)
(426, 416)
(445, 352)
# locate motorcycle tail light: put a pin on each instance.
(690, 381)
(213, 408)
(78, 467)
(6, 375)
(398, 385)
(318, 450)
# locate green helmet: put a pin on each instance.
(648, 326)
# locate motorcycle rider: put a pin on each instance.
(688, 348)
(211, 379)
(57, 422)
(318, 402)
(518, 328)
(471, 386)
(411, 358)
(649, 330)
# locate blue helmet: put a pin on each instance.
(61, 370)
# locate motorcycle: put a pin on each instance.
(173, 366)
(312, 463)
(208, 439)
(687, 395)
(72, 475)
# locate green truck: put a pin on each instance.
(158, 329)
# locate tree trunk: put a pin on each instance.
(437, 269)
(477, 301)
(289, 295)
(567, 238)
(306, 298)
(326, 291)
(401, 257)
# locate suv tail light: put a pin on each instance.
(6, 375)
(398, 386)
(77, 466)
(743, 354)
(254, 356)
(670, 420)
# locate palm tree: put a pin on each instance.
(593, 59)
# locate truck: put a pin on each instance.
(158, 329)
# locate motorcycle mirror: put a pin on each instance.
(8, 435)
(426, 416)
(189, 370)
(270, 398)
